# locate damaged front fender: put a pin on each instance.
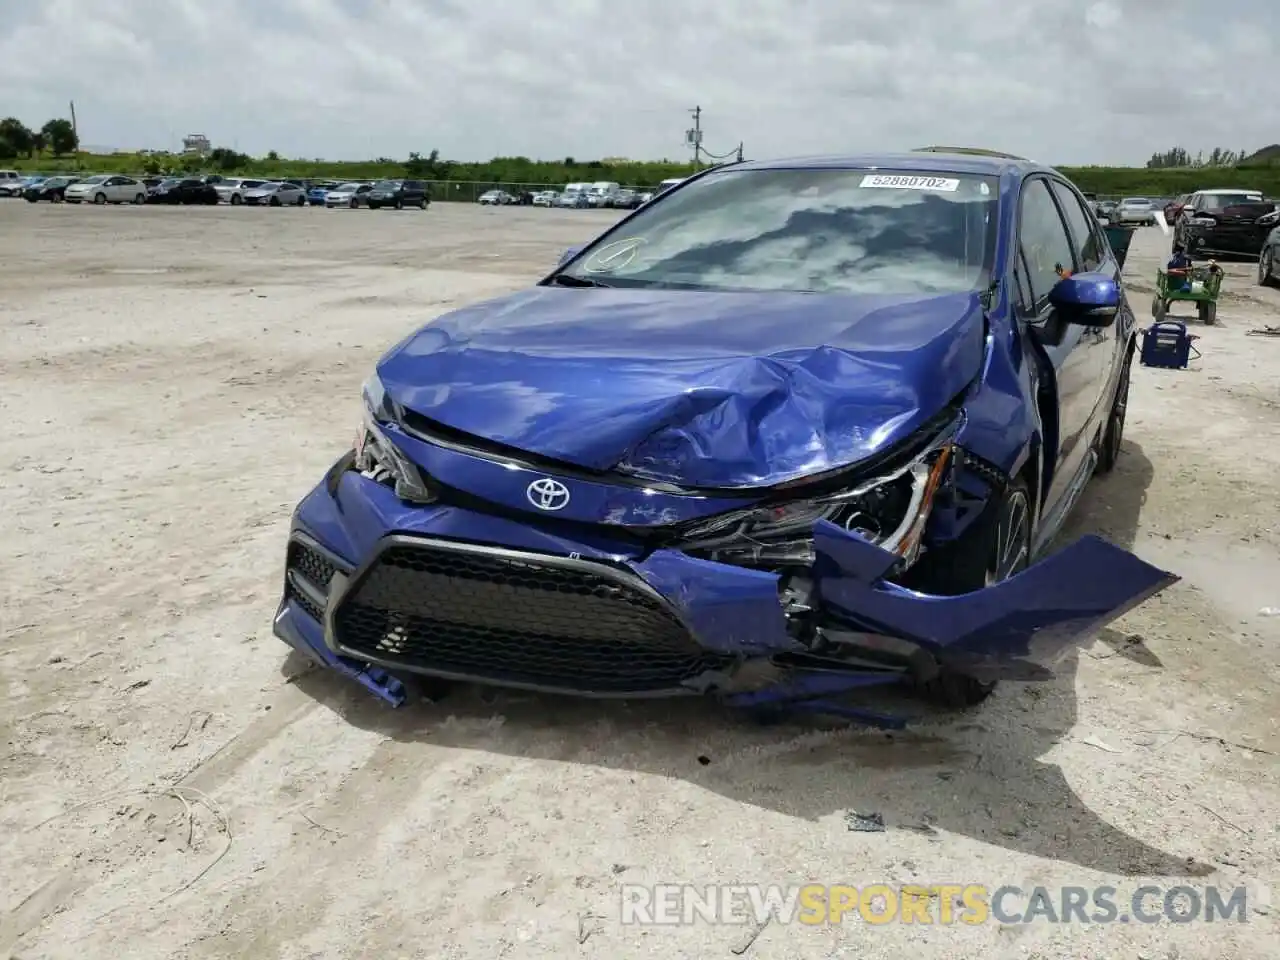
(996, 631)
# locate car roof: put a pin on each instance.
(926, 161)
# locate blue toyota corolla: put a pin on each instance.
(792, 429)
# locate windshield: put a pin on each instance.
(1216, 201)
(349, 187)
(1136, 202)
(387, 185)
(816, 231)
(94, 180)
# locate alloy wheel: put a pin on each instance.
(1011, 551)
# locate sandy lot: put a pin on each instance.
(172, 381)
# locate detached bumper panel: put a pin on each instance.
(516, 618)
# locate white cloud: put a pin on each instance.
(353, 79)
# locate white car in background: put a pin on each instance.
(275, 194)
(544, 199)
(351, 195)
(496, 198)
(106, 189)
(233, 191)
(1136, 210)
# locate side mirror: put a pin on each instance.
(568, 255)
(1090, 299)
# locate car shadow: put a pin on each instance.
(979, 774)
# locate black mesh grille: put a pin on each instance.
(517, 621)
(315, 567)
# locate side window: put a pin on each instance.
(1026, 303)
(1043, 236)
(1084, 237)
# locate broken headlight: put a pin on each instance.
(376, 456)
(889, 511)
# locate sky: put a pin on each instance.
(1065, 82)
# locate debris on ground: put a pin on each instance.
(746, 940)
(1094, 742)
(864, 822)
(1264, 332)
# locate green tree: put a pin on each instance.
(15, 136)
(60, 136)
(273, 156)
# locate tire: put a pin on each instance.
(399, 204)
(302, 202)
(352, 203)
(33, 199)
(1207, 311)
(1266, 268)
(236, 199)
(422, 204)
(100, 198)
(1113, 435)
(996, 548)
(1159, 309)
(275, 201)
(139, 198)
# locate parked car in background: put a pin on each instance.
(1173, 208)
(625, 200)
(666, 185)
(893, 527)
(14, 186)
(232, 191)
(544, 199)
(1138, 210)
(152, 184)
(601, 194)
(1105, 209)
(348, 195)
(275, 194)
(1269, 259)
(318, 191)
(645, 196)
(185, 191)
(1225, 222)
(106, 189)
(398, 194)
(50, 189)
(495, 198)
(573, 196)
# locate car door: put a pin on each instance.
(1102, 343)
(1045, 249)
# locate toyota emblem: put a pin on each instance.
(548, 494)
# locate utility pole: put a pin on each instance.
(694, 137)
(75, 133)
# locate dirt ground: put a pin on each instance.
(172, 785)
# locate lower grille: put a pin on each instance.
(315, 567)
(520, 621)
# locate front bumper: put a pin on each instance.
(1246, 240)
(375, 584)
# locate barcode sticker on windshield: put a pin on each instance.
(900, 182)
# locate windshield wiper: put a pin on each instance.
(569, 280)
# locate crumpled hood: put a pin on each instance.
(700, 389)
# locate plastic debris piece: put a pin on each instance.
(864, 822)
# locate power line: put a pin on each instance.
(693, 138)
